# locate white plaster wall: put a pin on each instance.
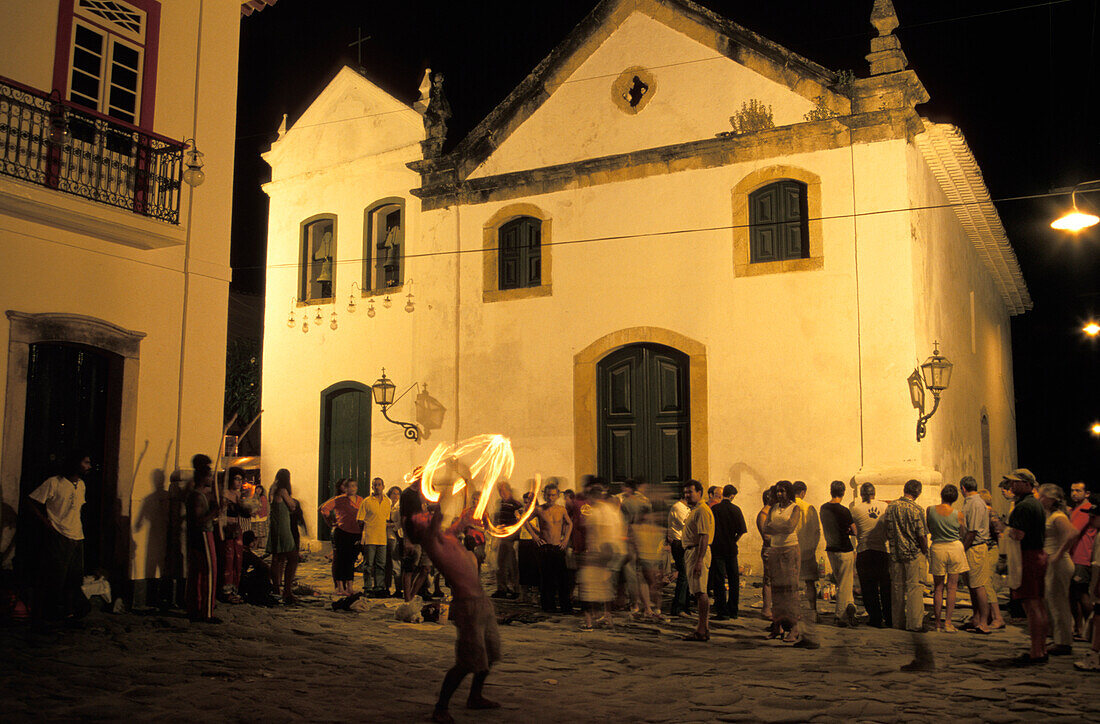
(62, 271)
(299, 366)
(946, 271)
(697, 90)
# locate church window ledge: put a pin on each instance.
(520, 218)
(780, 178)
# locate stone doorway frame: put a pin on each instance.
(26, 329)
(586, 416)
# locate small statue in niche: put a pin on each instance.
(435, 118)
(637, 90)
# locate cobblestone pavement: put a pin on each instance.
(309, 662)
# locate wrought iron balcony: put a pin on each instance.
(56, 144)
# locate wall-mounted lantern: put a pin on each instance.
(383, 390)
(935, 375)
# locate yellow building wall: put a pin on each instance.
(62, 271)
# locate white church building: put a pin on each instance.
(676, 250)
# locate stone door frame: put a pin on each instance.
(26, 329)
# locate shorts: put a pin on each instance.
(947, 557)
(697, 585)
(413, 558)
(1034, 564)
(977, 559)
(478, 642)
(1082, 576)
(808, 569)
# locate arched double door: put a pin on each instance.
(644, 430)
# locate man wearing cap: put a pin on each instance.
(1027, 525)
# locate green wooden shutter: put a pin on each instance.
(778, 222)
(533, 252)
(763, 229)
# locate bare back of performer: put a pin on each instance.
(478, 643)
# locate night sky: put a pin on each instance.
(1018, 77)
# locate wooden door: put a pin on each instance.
(345, 442)
(73, 399)
(644, 420)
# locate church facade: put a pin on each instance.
(677, 250)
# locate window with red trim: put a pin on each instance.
(106, 56)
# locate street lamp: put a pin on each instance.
(935, 375)
(1091, 329)
(1076, 220)
(193, 175)
(383, 390)
(1094, 428)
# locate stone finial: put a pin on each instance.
(421, 104)
(282, 127)
(435, 118)
(886, 55)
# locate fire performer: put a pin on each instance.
(478, 643)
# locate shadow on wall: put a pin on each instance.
(154, 513)
(430, 412)
(742, 475)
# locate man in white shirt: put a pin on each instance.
(57, 503)
(677, 514)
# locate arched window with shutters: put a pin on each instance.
(517, 259)
(520, 249)
(778, 222)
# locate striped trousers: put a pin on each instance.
(202, 577)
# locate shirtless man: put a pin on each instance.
(478, 643)
(555, 527)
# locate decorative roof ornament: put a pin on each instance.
(886, 55)
(435, 118)
(421, 105)
(282, 127)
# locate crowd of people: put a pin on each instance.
(594, 553)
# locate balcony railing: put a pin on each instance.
(53, 143)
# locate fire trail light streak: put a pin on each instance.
(495, 462)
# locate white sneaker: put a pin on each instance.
(1089, 663)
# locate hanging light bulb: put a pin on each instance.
(332, 324)
(351, 297)
(305, 325)
(370, 308)
(409, 304)
(386, 302)
(318, 320)
(290, 319)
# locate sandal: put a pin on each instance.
(696, 636)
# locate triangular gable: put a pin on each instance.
(714, 38)
(351, 118)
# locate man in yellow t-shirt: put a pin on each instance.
(698, 534)
(373, 514)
